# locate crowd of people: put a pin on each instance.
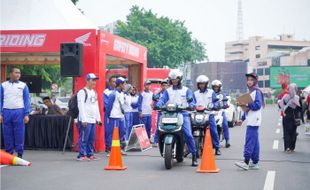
(290, 102)
(125, 107)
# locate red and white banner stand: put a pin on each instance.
(138, 139)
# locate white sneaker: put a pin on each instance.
(253, 166)
(242, 165)
(307, 131)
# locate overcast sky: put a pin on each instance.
(214, 21)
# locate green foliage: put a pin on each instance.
(74, 1)
(168, 42)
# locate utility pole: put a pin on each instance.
(239, 33)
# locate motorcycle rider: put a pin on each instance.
(204, 96)
(182, 96)
(217, 88)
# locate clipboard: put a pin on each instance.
(245, 98)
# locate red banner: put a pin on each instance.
(44, 40)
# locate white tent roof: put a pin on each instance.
(41, 15)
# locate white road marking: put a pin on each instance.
(269, 182)
(275, 144)
(279, 124)
(2, 166)
(278, 131)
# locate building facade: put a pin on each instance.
(230, 74)
(261, 53)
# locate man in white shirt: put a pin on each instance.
(89, 116)
(106, 95)
(145, 107)
(14, 111)
(128, 111)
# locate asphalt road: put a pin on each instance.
(51, 170)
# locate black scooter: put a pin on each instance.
(200, 121)
(171, 140)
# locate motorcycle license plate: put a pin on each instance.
(199, 117)
(168, 120)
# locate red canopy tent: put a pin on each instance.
(28, 43)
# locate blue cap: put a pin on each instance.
(120, 80)
(91, 76)
(147, 82)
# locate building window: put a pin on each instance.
(267, 83)
(260, 71)
(267, 71)
(261, 84)
(263, 63)
(257, 56)
(257, 47)
(275, 61)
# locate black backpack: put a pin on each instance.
(73, 104)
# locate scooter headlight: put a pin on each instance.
(171, 107)
(199, 118)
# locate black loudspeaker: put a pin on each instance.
(34, 82)
(71, 57)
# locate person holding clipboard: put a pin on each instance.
(252, 105)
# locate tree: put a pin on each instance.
(168, 41)
(74, 1)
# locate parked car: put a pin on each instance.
(62, 102)
(233, 113)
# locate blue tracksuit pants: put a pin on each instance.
(135, 118)
(251, 147)
(106, 130)
(156, 130)
(147, 121)
(13, 129)
(187, 132)
(225, 128)
(86, 139)
(128, 124)
(115, 122)
(214, 133)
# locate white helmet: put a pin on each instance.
(175, 73)
(202, 79)
(216, 83)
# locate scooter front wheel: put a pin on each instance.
(168, 156)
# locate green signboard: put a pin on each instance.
(290, 74)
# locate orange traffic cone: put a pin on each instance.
(115, 162)
(207, 164)
(9, 159)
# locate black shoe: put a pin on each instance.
(20, 155)
(227, 145)
(217, 152)
(194, 161)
